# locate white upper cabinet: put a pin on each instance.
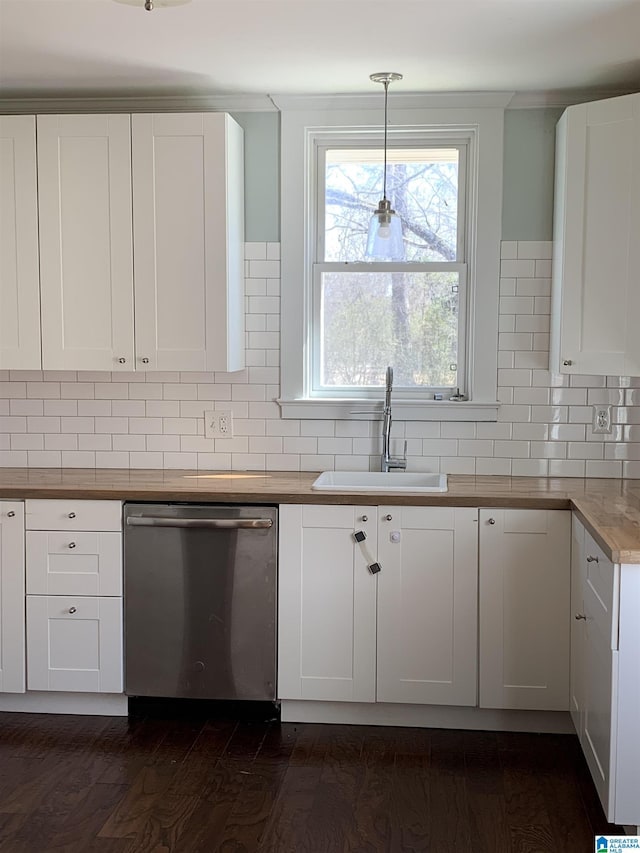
(144, 212)
(19, 290)
(84, 195)
(188, 208)
(596, 298)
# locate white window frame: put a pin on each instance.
(483, 127)
(328, 140)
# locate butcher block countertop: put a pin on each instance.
(609, 508)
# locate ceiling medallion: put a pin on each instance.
(150, 5)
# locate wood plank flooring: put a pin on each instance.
(191, 777)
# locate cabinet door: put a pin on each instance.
(84, 192)
(11, 597)
(596, 254)
(578, 621)
(524, 609)
(327, 604)
(189, 232)
(600, 666)
(19, 274)
(74, 644)
(427, 605)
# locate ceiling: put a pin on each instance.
(227, 47)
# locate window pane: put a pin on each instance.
(371, 320)
(422, 185)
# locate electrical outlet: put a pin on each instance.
(602, 418)
(218, 424)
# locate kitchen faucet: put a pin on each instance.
(387, 461)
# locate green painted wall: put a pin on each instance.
(529, 153)
(529, 145)
(261, 175)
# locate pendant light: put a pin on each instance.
(384, 241)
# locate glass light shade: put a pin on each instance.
(384, 241)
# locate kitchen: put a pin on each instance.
(123, 433)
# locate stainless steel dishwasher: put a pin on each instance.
(200, 601)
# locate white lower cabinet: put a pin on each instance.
(12, 653)
(74, 596)
(605, 674)
(327, 604)
(404, 634)
(524, 582)
(427, 605)
(74, 643)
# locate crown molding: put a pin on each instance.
(399, 100)
(273, 103)
(139, 104)
(562, 97)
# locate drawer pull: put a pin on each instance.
(72, 515)
(491, 520)
(365, 518)
(591, 559)
(388, 518)
(72, 544)
(579, 616)
(10, 514)
(72, 610)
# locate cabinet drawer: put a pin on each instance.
(601, 600)
(74, 643)
(73, 515)
(74, 563)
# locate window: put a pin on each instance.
(433, 316)
(411, 313)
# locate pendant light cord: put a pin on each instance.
(384, 179)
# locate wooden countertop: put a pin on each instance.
(609, 508)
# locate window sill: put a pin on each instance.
(403, 410)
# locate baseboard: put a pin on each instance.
(42, 702)
(426, 716)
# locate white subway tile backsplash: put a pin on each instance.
(156, 419)
(27, 407)
(566, 468)
(518, 269)
(26, 441)
(530, 468)
(494, 466)
(58, 441)
(596, 468)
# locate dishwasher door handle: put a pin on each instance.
(209, 523)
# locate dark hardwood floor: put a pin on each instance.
(184, 777)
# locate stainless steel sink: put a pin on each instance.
(377, 481)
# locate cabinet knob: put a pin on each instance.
(10, 514)
(591, 559)
(72, 515)
(144, 360)
(581, 616)
(72, 544)
(72, 610)
(388, 518)
(567, 362)
(364, 518)
(491, 521)
(122, 361)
